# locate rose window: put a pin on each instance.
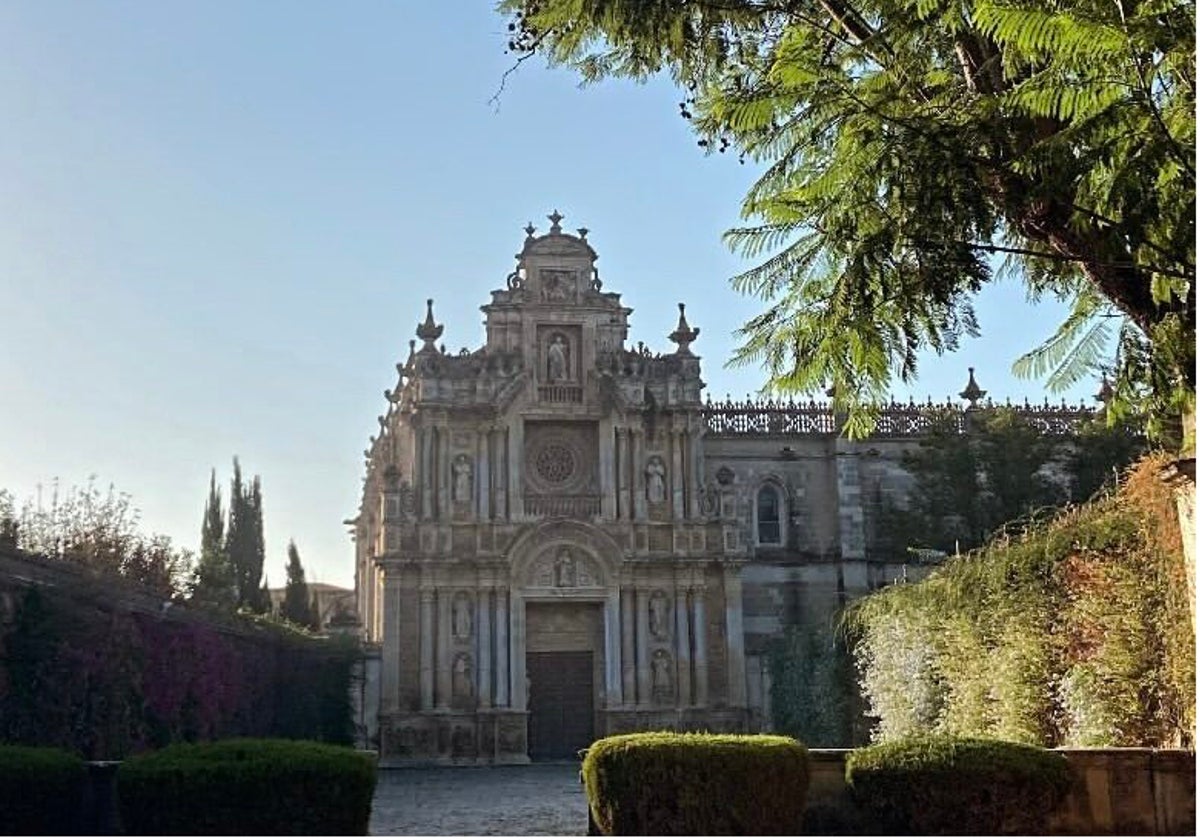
(555, 463)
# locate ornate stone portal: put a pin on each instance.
(533, 556)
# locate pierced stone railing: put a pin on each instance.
(560, 394)
(576, 507)
(776, 418)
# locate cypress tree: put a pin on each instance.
(244, 540)
(296, 606)
(214, 581)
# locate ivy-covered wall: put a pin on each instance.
(88, 667)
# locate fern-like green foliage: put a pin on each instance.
(905, 143)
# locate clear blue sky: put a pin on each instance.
(219, 222)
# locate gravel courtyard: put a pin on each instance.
(535, 799)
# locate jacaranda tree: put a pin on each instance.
(907, 143)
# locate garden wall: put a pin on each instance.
(105, 669)
(1114, 791)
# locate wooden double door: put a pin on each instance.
(561, 703)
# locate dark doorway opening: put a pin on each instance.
(560, 703)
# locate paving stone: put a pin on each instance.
(538, 799)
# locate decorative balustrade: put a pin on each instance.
(575, 507)
(776, 418)
(560, 393)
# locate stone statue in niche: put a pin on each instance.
(463, 689)
(660, 668)
(556, 361)
(660, 615)
(656, 490)
(564, 569)
(462, 616)
(462, 479)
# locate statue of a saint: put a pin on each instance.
(462, 616)
(655, 485)
(659, 615)
(462, 688)
(660, 668)
(564, 569)
(556, 360)
(462, 479)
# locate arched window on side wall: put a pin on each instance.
(769, 515)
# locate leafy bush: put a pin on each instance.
(1076, 632)
(945, 785)
(656, 783)
(247, 786)
(39, 789)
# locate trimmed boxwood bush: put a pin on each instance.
(947, 785)
(41, 789)
(656, 783)
(247, 786)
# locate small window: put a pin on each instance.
(769, 516)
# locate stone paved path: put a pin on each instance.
(535, 799)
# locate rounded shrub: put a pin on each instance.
(40, 790)
(948, 785)
(247, 786)
(662, 783)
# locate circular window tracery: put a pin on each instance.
(555, 463)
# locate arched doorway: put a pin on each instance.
(565, 642)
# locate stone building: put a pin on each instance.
(559, 539)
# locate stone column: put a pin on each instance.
(445, 606)
(499, 476)
(639, 475)
(734, 636)
(502, 669)
(482, 478)
(644, 693)
(612, 652)
(426, 645)
(516, 454)
(700, 650)
(425, 446)
(683, 647)
(675, 442)
(628, 662)
(516, 655)
(390, 678)
(608, 492)
(623, 501)
(695, 477)
(443, 473)
(483, 619)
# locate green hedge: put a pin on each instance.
(656, 783)
(247, 786)
(40, 790)
(946, 785)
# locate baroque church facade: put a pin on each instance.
(560, 539)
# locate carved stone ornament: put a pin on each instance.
(660, 668)
(656, 489)
(462, 616)
(710, 501)
(564, 569)
(660, 615)
(462, 479)
(558, 286)
(462, 682)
